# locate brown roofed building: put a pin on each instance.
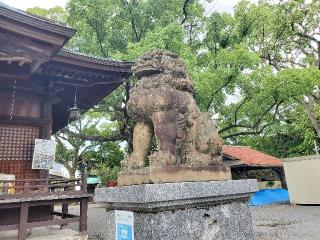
(250, 156)
(247, 163)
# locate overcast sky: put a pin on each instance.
(219, 5)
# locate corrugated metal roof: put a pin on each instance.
(250, 156)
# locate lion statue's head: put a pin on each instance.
(162, 68)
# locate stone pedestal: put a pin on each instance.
(172, 173)
(182, 211)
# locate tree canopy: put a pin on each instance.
(255, 70)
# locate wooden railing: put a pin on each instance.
(23, 194)
(14, 188)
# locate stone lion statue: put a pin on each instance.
(162, 104)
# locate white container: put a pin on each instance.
(302, 176)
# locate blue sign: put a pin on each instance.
(124, 225)
(124, 232)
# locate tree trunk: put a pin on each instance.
(71, 170)
(72, 173)
(309, 106)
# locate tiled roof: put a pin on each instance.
(250, 156)
(68, 51)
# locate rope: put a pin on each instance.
(75, 95)
(13, 99)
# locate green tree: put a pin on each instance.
(254, 70)
(72, 150)
(257, 67)
(118, 29)
(56, 14)
(293, 136)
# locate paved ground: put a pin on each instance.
(47, 233)
(286, 222)
(96, 220)
(280, 222)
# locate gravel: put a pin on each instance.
(277, 222)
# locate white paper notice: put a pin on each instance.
(124, 225)
(43, 154)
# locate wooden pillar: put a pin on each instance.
(24, 209)
(83, 215)
(47, 114)
(64, 211)
(84, 201)
(46, 131)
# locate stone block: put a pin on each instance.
(174, 173)
(137, 176)
(187, 210)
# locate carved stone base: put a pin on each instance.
(168, 174)
(216, 210)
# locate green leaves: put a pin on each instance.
(169, 38)
(252, 69)
(73, 148)
(56, 14)
(296, 82)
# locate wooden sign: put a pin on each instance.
(44, 154)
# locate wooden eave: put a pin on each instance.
(95, 79)
(33, 26)
(84, 70)
(30, 50)
(28, 39)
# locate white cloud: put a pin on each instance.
(216, 5)
(24, 4)
(221, 5)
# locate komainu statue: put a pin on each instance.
(162, 104)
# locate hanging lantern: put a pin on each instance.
(74, 112)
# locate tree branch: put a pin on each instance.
(307, 36)
(257, 123)
(258, 131)
(94, 26)
(185, 10)
(235, 123)
(132, 20)
(117, 137)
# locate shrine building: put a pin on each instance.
(40, 83)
